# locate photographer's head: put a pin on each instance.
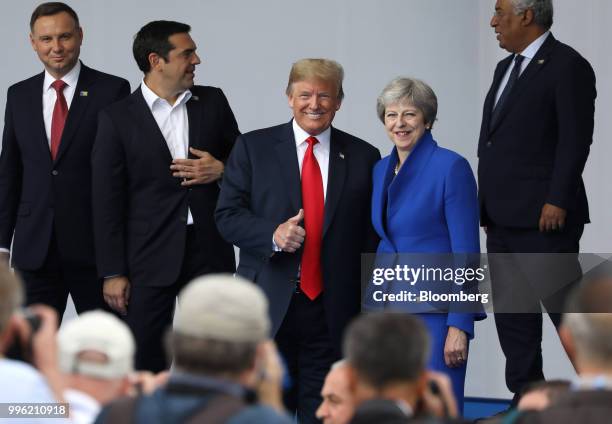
(586, 330)
(386, 355)
(96, 355)
(11, 297)
(220, 327)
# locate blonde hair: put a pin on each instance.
(319, 69)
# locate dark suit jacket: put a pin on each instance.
(262, 189)
(140, 209)
(537, 151)
(38, 194)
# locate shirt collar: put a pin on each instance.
(301, 135)
(70, 78)
(535, 45)
(152, 99)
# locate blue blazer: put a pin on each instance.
(431, 206)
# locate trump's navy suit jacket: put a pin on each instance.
(536, 152)
(262, 189)
(140, 209)
(38, 194)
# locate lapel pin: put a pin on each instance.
(341, 155)
(84, 93)
(540, 61)
(196, 98)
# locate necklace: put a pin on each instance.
(397, 168)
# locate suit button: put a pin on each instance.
(55, 172)
(489, 144)
(183, 219)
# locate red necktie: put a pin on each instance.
(60, 111)
(313, 202)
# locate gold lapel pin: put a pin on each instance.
(540, 61)
(196, 98)
(84, 93)
(341, 155)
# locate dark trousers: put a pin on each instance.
(56, 278)
(524, 273)
(303, 341)
(151, 309)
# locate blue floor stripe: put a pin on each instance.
(483, 407)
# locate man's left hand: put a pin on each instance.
(552, 218)
(203, 170)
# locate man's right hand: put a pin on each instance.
(289, 236)
(117, 293)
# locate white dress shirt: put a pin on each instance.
(321, 151)
(528, 54)
(173, 122)
(49, 94)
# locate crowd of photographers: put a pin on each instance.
(226, 368)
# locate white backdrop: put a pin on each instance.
(247, 48)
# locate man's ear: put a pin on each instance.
(352, 378)
(154, 60)
(528, 17)
(422, 384)
(567, 341)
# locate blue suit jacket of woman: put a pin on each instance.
(431, 206)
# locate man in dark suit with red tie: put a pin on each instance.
(536, 132)
(45, 172)
(157, 160)
(296, 200)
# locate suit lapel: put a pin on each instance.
(490, 99)
(404, 182)
(148, 126)
(36, 106)
(194, 114)
(379, 195)
(289, 168)
(80, 102)
(522, 84)
(335, 177)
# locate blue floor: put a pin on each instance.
(481, 407)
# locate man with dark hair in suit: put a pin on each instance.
(45, 173)
(535, 137)
(296, 201)
(156, 161)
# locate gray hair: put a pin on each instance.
(387, 347)
(210, 357)
(542, 11)
(418, 93)
(589, 321)
(11, 296)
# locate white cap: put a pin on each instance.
(101, 332)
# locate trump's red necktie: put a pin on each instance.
(60, 112)
(313, 201)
